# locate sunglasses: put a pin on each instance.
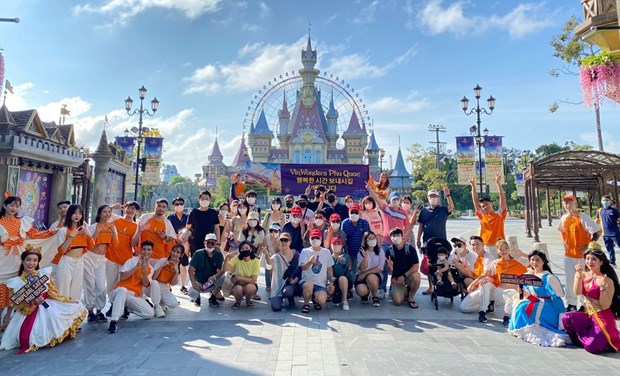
(297, 216)
(354, 212)
(315, 238)
(284, 240)
(178, 204)
(335, 221)
(210, 243)
(273, 231)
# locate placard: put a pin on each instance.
(523, 280)
(33, 289)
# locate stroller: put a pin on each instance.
(444, 290)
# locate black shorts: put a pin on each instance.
(363, 281)
(184, 260)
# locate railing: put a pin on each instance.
(595, 8)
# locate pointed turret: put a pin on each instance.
(332, 123)
(400, 179)
(308, 55)
(355, 140)
(261, 128)
(284, 119)
(215, 156)
(354, 127)
(103, 149)
(260, 139)
(375, 154)
(216, 167)
(242, 154)
(5, 116)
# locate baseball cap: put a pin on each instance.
(336, 239)
(335, 217)
(275, 226)
(433, 192)
(234, 203)
(302, 198)
(284, 235)
(316, 234)
(354, 207)
(459, 239)
(253, 215)
(394, 195)
(296, 210)
(210, 237)
(569, 198)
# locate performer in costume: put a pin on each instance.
(48, 320)
(536, 318)
(15, 232)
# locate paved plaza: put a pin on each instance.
(364, 341)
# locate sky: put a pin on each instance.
(409, 61)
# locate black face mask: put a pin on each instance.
(331, 199)
(289, 204)
(245, 254)
(302, 204)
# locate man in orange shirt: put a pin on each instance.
(491, 222)
(128, 291)
(157, 229)
(577, 230)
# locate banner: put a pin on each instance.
(130, 181)
(465, 159)
(344, 179)
(152, 153)
(265, 174)
(114, 188)
(126, 144)
(520, 180)
(35, 189)
(494, 159)
(523, 279)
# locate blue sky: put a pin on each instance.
(411, 62)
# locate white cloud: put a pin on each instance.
(412, 103)
(356, 65)
(123, 10)
(367, 13)
(526, 18)
(264, 10)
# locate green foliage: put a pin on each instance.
(601, 58)
(179, 179)
(222, 190)
(567, 46)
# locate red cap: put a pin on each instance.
(315, 234)
(335, 217)
(296, 210)
(355, 207)
(569, 198)
(336, 239)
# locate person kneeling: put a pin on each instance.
(403, 264)
(343, 274)
(206, 272)
(371, 262)
(128, 291)
(165, 276)
(316, 266)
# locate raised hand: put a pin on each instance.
(446, 190)
(472, 182)
(498, 178)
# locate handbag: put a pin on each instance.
(424, 266)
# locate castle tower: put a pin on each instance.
(215, 167)
(284, 118)
(332, 124)
(102, 158)
(242, 155)
(373, 151)
(355, 140)
(260, 139)
(400, 179)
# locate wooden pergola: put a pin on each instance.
(593, 172)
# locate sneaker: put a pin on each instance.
(571, 308)
(336, 304)
(109, 312)
(92, 318)
(159, 312)
(184, 290)
(439, 283)
(125, 315)
(101, 317)
(381, 294)
(454, 285)
(506, 321)
(482, 316)
(491, 307)
(213, 301)
(113, 328)
(365, 299)
(197, 302)
(345, 306)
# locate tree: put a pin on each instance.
(179, 179)
(222, 190)
(571, 49)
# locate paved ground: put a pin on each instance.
(364, 341)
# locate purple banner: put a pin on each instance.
(344, 179)
(114, 188)
(126, 143)
(152, 152)
(34, 188)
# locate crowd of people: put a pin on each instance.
(313, 250)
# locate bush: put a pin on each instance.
(455, 214)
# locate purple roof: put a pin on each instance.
(354, 128)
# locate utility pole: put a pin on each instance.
(437, 129)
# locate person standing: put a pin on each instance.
(178, 219)
(491, 222)
(202, 221)
(608, 217)
(577, 230)
(296, 228)
(62, 207)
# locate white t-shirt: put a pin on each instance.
(468, 261)
(317, 273)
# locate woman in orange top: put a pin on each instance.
(166, 275)
(75, 240)
(105, 238)
(382, 188)
(14, 232)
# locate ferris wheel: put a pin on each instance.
(271, 96)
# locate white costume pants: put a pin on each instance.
(112, 276)
(70, 276)
(123, 298)
(480, 299)
(569, 272)
(160, 295)
(94, 281)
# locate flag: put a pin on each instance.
(64, 111)
(9, 87)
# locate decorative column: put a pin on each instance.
(102, 157)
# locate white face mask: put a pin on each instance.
(406, 207)
(354, 217)
(210, 250)
(368, 206)
(442, 257)
(243, 211)
(319, 222)
(205, 203)
(315, 242)
(178, 208)
(295, 220)
(372, 243)
(335, 225)
(251, 200)
(275, 207)
(395, 203)
(252, 223)
(434, 201)
(223, 213)
(396, 240)
(349, 204)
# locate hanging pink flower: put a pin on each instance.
(599, 78)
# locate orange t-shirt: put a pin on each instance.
(492, 226)
(160, 250)
(80, 240)
(167, 272)
(122, 251)
(134, 282)
(575, 236)
(479, 267)
(511, 266)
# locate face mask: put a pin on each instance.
(275, 207)
(368, 206)
(223, 213)
(434, 201)
(372, 243)
(204, 203)
(251, 200)
(210, 250)
(396, 240)
(354, 217)
(289, 204)
(315, 242)
(243, 211)
(337, 248)
(296, 220)
(331, 199)
(606, 203)
(349, 204)
(395, 203)
(178, 208)
(335, 225)
(319, 222)
(407, 207)
(253, 223)
(245, 254)
(441, 257)
(233, 209)
(302, 204)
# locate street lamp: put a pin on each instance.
(475, 130)
(141, 111)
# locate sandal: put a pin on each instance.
(305, 308)
(249, 303)
(376, 302)
(412, 304)
(235, 306)
(427, 292)
(256, 297)
(317, 307)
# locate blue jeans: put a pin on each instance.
(384, 275)
(268, 278)
(288, 292)
(609, 244)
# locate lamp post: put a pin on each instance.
(475, 130)
(141, 111)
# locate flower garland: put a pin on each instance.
(599, 78)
